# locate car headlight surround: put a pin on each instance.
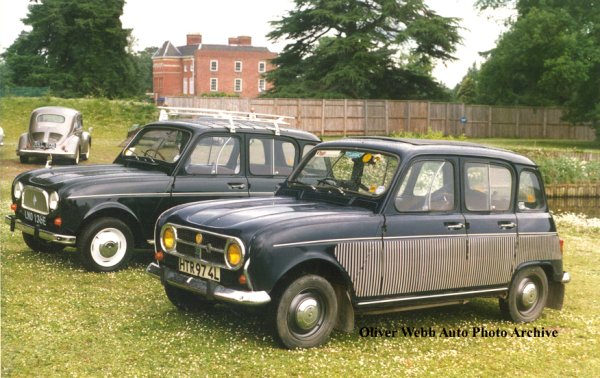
(168, 238)
(18, 190)
(53, 201)
(234, 254)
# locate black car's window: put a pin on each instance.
(530, 192)
(157, 145)
(307, 148)
(271, 157)
(427, 186)
(52, 118)
(487, 187)
(364, 172)
(215, 155)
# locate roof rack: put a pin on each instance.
(231, 116)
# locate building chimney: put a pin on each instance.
(194, 39)
(244, 40)
(233, 41)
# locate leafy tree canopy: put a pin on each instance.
(77, 48)
(550, 56)
(361, 49)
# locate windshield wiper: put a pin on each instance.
(331, 183)
(298, 182)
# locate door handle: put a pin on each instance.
(507, 225)
(234, 185)
(454, 225)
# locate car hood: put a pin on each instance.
(282, 219)
(89, 179)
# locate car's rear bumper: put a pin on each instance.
(44, 153)
(16, 224)
(207, 288)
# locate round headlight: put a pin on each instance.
(168, 238)
(53, 201)
(234, 254)
(18, 190)
(199, 238)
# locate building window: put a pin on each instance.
(191, 86)
(185, 68)
(261, 85)
(185, 86)
(214, 65)
(214, 84)
(237, 85)
(262, 66)
(238, 66)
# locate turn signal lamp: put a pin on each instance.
(234, 254)
(13, 207)
(58, 221)
(168, 238)
(199, 238)
(159, 256)
(242, 279)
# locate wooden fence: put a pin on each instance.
(383, 117)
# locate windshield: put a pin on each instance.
(364, 172)
(156, 145)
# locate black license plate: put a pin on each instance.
(35, 218)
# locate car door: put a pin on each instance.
(424, 243)
(488, 191)
(211, 170)
(270, 160)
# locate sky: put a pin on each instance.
(153, 22)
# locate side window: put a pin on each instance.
(530, 192)
(215, 155)
(427, 186)
(271, 157)
(488, 187)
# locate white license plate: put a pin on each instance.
(200, 270)
(38, 144)
(34, 218)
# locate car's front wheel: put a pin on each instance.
(185, 300)
(105, 245)
(527, 296)
(305, 312)
(39, 245)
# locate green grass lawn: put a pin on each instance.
(59, 320)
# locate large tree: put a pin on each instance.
(77, 48)
(549, 56)
(361, 49)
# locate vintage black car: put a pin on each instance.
(371, 225)
(55, 132)
(107, 210)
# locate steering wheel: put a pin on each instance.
(156, 153)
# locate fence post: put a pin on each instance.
(299, 114)
(428, 116)
(345, 116)
(407, 116)
(518, 126)
(323, 117)
(489, 132)
(446, 119)
(545, 123)
(387, 118)
(366, 117)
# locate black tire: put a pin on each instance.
(527, 296)
(39, 245)
(105, 245)
(185, 300)
(24, 159)
(75, 160)
(305, 312)
(86, 156)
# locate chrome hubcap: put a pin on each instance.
(307, 313)
(108, 247)
(529, 295)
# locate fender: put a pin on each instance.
(554, 266)
(109, 206)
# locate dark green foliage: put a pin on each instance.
(550, 56)
(77, 48)
(361, 49)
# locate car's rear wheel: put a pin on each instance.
(527, 296)
(39, 245)
(305, 312)
(24, 159)
(75, 159)
(185, 300)
(86, 156)
(105, 245)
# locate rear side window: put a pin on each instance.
(427, 186)
(530, 192)
(488, 187)
(271, 157)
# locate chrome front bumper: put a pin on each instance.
(207, 288)
(16, 224)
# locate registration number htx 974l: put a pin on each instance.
(200, 270)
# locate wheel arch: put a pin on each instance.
(118, 211)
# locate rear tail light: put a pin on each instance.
(562, 245)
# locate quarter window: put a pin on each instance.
(427, 186)
(215, 155)
(530, 192)
(271, 157)
(487, 188)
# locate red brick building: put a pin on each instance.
(197, 68)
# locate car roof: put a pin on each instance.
(244, 126)
(67, 112)
(407, 148)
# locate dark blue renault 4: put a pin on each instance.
(371, 225)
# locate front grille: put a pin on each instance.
(210, 251)
(35, 199)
